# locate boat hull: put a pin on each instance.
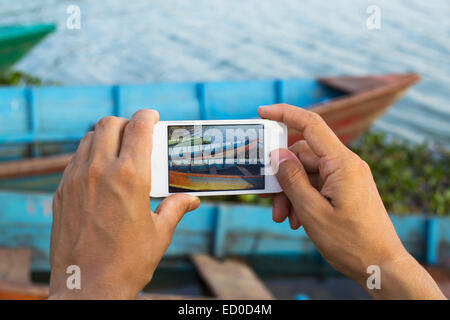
(210, 182)
(218, 230)
(38, 126)
(16, 41)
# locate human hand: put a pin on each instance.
(330, 191)
(102, 220)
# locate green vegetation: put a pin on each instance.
(18, 78)
(14, 78)
(410, 178)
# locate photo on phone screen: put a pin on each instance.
(215, 157)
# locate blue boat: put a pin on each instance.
(41, 121)
(39, 125)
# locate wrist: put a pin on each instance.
(92, 287)
(404, 278)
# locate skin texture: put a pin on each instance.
(102, 221)
(330, 191)
(101, 215)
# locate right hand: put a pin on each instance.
(330, 191)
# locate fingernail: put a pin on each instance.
(194, 203)
(277, 157)
(155, 115)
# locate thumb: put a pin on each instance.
(294, 181)
(172, 209)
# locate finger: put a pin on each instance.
(316, 180)
(107, 138)
(293, 221)
(137, 138)
(280, 207)
(294, 181)
(308, 158)
(265, 195)
(172, 209)
(84, 148)
(316, 132)
(81, 155)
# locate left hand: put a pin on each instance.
(102, 220)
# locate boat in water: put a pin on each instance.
(40, 126)
(214, 167)
(16, 41)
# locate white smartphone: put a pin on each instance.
(215, 157)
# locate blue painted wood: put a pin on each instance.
(412, 230)
(46, 183)
(220, 229)
(432, 241)
(249, 230)
(195, 232)
(32, 120)
(443, 244)
(237, 100)
(71, 111)
(117, 108)
(64, 114)
(304, 92)
(201, 100)
(12, 152)
(25, 221)
(13, 120)
(41, 137)
(174, 101)
(13, 111)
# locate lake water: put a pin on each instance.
(179, 40)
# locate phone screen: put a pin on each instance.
(215, 157)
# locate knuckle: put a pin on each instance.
(314, 118)
(108, 120)
(72, 181)
(75, 176)
(87, 136)
(126, 168)
(140, 126)
(94, 171)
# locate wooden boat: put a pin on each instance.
(16, 41)
(206, 167)
(40, 126)
(40, 122)
(219, 230)
(202, 181)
